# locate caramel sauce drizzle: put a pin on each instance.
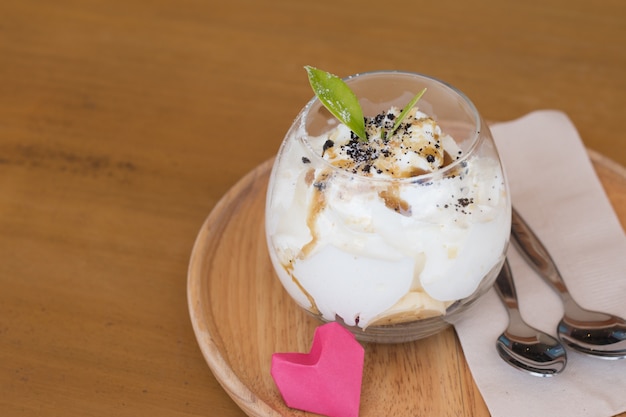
(391, 197)
(318, 204)
(314, 309)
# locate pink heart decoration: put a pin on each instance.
(327, 380)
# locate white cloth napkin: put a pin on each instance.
(554, 187)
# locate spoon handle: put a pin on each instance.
(517, 331)
(536, 253)
(505, 286)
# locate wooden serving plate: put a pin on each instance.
(241, 316)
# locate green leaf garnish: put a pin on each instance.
(404, 113)
(339, 99)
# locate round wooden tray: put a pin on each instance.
(241, 316)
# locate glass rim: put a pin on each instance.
(422, 178)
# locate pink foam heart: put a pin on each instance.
(327, 380)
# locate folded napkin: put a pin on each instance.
(555, 188)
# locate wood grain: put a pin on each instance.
(122, 124)
(241, 315)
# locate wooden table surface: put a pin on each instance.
(122, 123)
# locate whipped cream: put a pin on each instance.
(415, 148)
(356, 229)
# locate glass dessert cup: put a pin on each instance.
(393, 259)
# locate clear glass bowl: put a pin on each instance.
(392, 259)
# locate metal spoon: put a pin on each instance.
(522, 346)
(590, 332)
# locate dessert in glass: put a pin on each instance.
(396, 233)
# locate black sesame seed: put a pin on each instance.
(320, 186)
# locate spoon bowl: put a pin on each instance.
(543, 356)
(590, 332)
(593, 333)
(521, 345)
